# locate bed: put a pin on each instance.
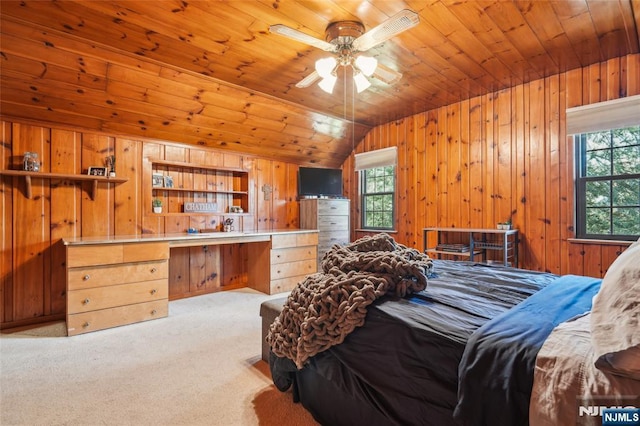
(461, 351)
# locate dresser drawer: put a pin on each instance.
(333, 207)
(113, 317)
(106, 254)
(293, 254)
(329, 238)
(97, 276)
(292, 269)
(328, 223)
(124, 294)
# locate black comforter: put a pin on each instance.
(401, 367)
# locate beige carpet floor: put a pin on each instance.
(199, 366)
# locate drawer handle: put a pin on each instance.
(153, 312)
(86, 324)
(86, 277)
(153, 270)
(86, 301)
(154, 291)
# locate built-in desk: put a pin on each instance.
(119, 280)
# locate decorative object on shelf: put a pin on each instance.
(30, 162)
(200, 207)
(157, 180)
(157, 205)
(228, 225)
(235, 209)
(505, 226)
(111, 165)
(168, 182)
(97, 171)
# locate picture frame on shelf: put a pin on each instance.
(157, 180)
(97, 171)
(168, 182)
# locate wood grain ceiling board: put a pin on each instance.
(210, 73)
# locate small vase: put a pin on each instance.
(157, 209)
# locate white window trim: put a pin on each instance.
(378, 158)
(614, 114)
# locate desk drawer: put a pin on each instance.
(292, 269)
(286, 284)
(97, 276)
(294, 240)
(113, 317)
(117, 295)
(293, 254)
(106, 254)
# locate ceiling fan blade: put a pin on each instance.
(386, 74)
(308, 80)
(398, 23)
(294, 34)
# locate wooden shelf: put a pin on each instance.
(196, 166)
(63, 176)
(233, 183)
(199, 214)
(207, 191)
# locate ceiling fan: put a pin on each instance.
(346, 40)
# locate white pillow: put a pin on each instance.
(615, 316)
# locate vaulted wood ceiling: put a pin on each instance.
(210, 73)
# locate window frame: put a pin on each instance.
(581, 180)
(364, 195)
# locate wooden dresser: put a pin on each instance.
(330, 217)
(116, 284)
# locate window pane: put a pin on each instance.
(598, 193)
(626, 192)
(598, 163)
(625, 137)
(378, 189)
(598, 221)
(626, 221)
(599, 140)
(626, 160)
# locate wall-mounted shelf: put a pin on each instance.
(64, 176)
(227, 186)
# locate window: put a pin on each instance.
(378, 197)
(377, 187)
(608, 184)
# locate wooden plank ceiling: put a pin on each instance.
(210, 73)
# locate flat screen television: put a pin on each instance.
(318, 182)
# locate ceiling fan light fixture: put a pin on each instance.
(325, 66)
(328, 83)
(361, 82)
(366, 64)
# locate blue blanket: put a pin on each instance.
(496, 370)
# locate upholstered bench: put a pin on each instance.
(269, 310)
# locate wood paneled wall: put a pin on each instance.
(32, 260)
(506, 154)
